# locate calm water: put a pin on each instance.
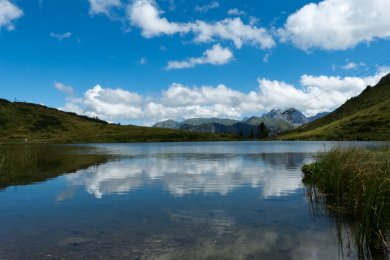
(233, 200)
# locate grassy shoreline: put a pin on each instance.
(354, 184)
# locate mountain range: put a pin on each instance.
(276, 121)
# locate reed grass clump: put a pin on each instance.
(355, 183)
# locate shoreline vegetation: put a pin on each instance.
(353, 185)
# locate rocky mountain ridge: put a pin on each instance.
(277, 120)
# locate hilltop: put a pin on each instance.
(365, 117)
(33, 123)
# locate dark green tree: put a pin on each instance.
(262, 131)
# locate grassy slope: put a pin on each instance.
(40, 124)
(365, 117)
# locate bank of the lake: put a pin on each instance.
(354, 184)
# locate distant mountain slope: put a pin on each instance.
(291, 115)
(239, 129)
(276, 125)
(169, 124)
(20, 122)
(172, 124)
(276, 120)
(245, 128)
(365, 117)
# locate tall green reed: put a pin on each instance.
(354, 184)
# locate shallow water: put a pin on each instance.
(225, 200)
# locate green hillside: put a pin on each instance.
(20, 122)
(365, 117)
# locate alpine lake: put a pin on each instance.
(212, 200)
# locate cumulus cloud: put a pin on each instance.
(234, 30)
(67, 90)
(8, 13)
(314, 94)
(337, 24)
(178, 102)
(109, 104)
(61, 36)
(317, 93)
(103, 6)
(146, 15)
(207, 7)
(216, 55)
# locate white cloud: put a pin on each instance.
(349, 66)
(112, 102)
(68, 90)
(146, 15)
(207, 7)
(352, 65)
(337, 24)
(216, 55)
(315, 94)
(61, 36)
(108, 104)
(8, 13)
(236, 12)
(234, 30)
(177, 102)
(103, 6)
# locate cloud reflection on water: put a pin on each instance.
(276, 174)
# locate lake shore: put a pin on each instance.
(354, 185)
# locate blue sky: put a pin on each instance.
(141, 61)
